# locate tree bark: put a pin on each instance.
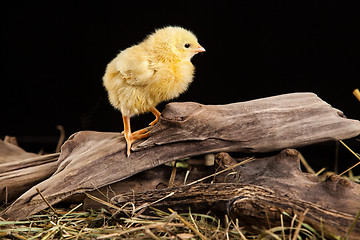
(91, 160)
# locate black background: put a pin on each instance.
(55, 54)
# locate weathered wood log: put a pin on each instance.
(90, 160)
(259, 191)
(21, 170)
(10, 152)
(261, 125)
(19, 176)
(155, 178)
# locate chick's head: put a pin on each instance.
(173, 43)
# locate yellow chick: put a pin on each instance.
(157, 69)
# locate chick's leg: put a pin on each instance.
(157, 116)
(131, 137)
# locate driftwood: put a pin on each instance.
(21, 170)
(257, 192)
(155, 178)
(91, 160)
(10, 152)
(17, 177)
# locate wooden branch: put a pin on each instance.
(259, 191)
(255, 207)
(20, 170)
(262, 125)
(91, 160)
(19, 176)
(155, 178)
(11, 152)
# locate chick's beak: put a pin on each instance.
(199, 49)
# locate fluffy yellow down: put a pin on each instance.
(157, 69)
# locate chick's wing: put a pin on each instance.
(134, 66)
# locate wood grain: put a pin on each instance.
(258, 192)
(91, 160)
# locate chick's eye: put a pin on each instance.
(187, 45)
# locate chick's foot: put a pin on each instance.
(141, 131)
(131, 137)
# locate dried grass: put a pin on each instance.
(76, 224)
(57, 223)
